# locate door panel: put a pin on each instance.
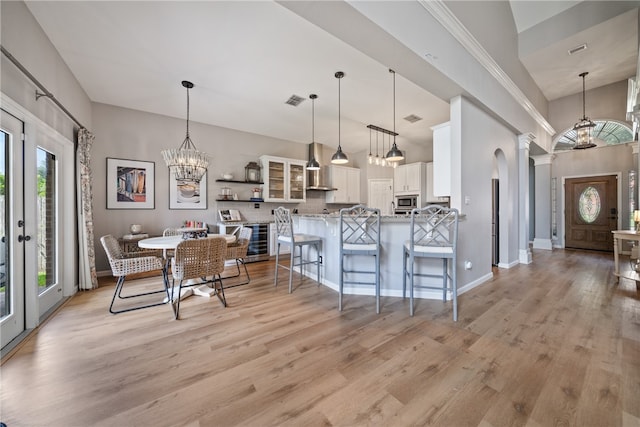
(591, 212)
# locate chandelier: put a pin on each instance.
(380, 160)
(186, 162)
(584, 127)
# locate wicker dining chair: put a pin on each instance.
(237, 252)
(201, 259)
(168, 253)
(123, 264)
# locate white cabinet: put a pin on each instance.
(431, 198)
(442, 160)
(347, 182)
(410, 179)
(284, 179)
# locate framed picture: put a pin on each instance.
(189, 195)
(130, 184)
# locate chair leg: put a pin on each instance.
(454, 286)
(177, 310)
(222, 298)
(244, 264)
(445, 274)
(116, 291)
(377, 259)
(291, 265)
(318, 262)
(277, 263)
(404, 273)
(341, 284)
(411, 273)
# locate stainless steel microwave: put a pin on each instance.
(406, 203)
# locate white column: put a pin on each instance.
(543, 211)
(524, 253)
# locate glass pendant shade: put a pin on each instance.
(584, 127)
(313, 164)
(185, 162)
(339, 158)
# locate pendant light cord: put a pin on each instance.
(339, 114)
(187, 112)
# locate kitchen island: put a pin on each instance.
(394, 231)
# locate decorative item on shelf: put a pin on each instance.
(252, 172)
(636, 219)
(225, 194)
(583, 128)
(186, 163)
(394, 155)
(257, 193)
(313, 164)
(339, 158)
(136, 228)
(227, 176)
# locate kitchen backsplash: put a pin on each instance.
(315, 204)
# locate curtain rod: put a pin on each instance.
(39, 85)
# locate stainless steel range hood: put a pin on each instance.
(317, 180)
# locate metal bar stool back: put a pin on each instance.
(359, 235)
(433, 234)
(286, 236)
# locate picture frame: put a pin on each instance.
(187, 196)
(130, 184)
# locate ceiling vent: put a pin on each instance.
(412, 118)
(294, 100)
(577, 49)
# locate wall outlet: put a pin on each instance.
(256, 205)
(320, 257)
(468, 265)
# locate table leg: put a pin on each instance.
(616, 258)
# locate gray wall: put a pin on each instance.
(136, 135)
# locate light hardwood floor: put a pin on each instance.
(556, 342)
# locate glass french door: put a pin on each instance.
(30, 284)
(12, 273)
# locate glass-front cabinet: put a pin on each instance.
(284, 179)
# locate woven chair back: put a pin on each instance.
(199, 258)
(360, 225)
(284, 226)
(435, 226)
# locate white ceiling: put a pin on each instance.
(247, 58)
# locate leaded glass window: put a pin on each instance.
(589, 204)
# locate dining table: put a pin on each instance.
(171, 243)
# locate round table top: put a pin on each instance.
(170, 242)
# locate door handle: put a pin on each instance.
(22, 238)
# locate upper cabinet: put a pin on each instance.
(284, 179)
(347, 183)
(410, 179)
(442, 160)
(432, 198)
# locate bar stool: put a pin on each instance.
(286, 236)
(434, 234)
(360, 235)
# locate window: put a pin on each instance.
(589, 204)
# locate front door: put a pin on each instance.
(591, 212)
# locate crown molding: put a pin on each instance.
(451, 23)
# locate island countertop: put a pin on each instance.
(394, 231)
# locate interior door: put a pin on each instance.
(12, 273)
(591, 212)
(381, 195)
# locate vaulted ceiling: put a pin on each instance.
(247, 59)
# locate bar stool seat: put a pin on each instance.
(285, 235)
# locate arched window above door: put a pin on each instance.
(606, 132)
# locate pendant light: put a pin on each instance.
(394, 155)
(377, 157)
(370, 156)
(186, 162)
(584, 127)
(383, 160)
(313, 164)
(339, 158)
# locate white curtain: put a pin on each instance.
(87, 262)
